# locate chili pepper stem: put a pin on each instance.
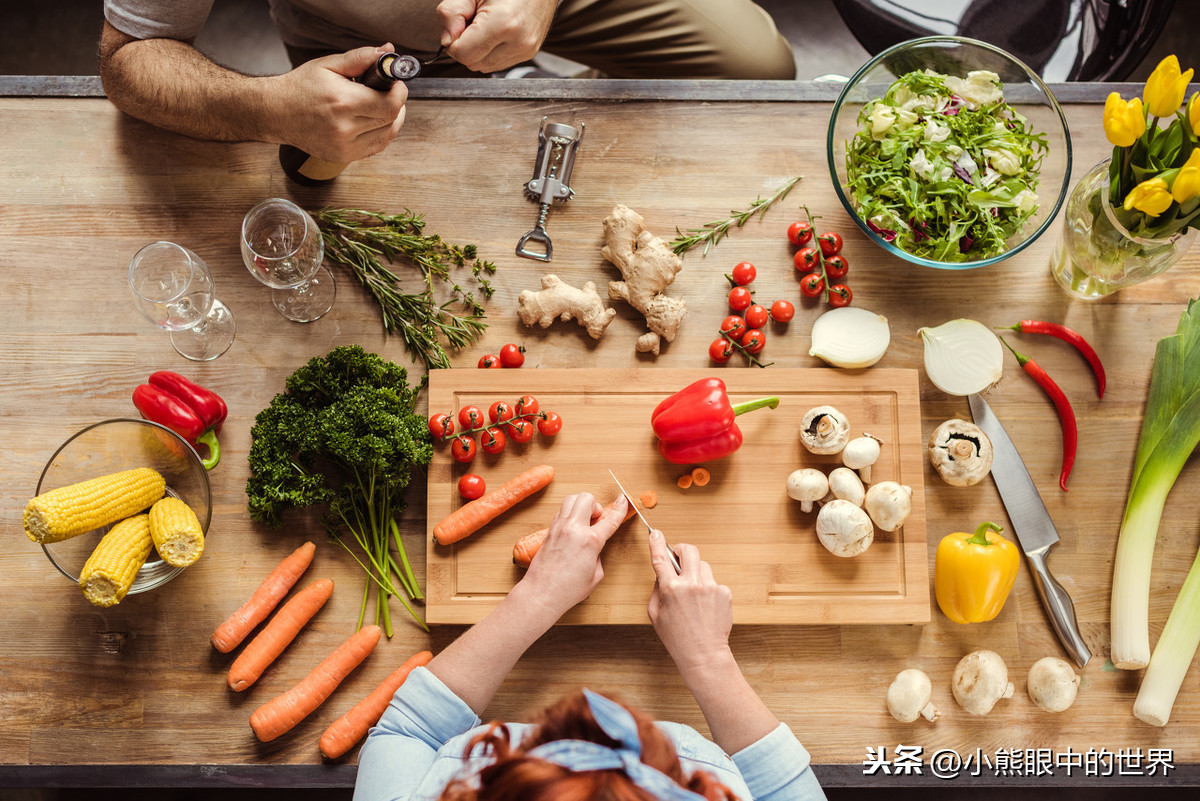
(980, 536)
(209, 438)
(749, 406)
(1022, 359)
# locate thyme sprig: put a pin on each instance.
(713, 232)
(362, 241)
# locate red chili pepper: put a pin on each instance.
(207, 404)
(1066, 415)
(696, 424)
(1069, 336)
(162, 407)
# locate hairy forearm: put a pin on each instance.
(735, 714)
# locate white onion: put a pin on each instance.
(962, 356)
(850, 337)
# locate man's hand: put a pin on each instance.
(492, 35)
(325, 113)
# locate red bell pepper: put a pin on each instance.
(197, 423)
(696, 424)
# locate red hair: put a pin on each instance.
(514, 776)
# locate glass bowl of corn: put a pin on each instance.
(97, 497)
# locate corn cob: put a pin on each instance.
(110, 570)
(176, 532)
(70, 511)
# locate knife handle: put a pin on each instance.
(1059, 607)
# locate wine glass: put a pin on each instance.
(174, 290)
(282, 248)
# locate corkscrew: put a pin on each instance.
(557, 144)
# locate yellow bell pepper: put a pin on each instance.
(973, 573)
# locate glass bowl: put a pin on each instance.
(111, 446)
(954, 55)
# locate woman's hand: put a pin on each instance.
(692, 614)
(567, 567)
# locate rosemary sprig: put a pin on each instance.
(713, 232)
(362, 241)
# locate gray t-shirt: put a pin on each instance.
(323, 24)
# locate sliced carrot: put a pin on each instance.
(700, 476)
(277, 634)
(238, 625)
(684, 481)
(353, 726)
(470, 517)
(527, 547)
(283, 712)
(649, 499)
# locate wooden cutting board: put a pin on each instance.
(758, 540)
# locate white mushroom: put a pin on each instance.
(908, 697)
(1052, 684)
(860, 453)
(845, 484)
(807, 485)
(889, 504)
(824, 430)
(980, 680)
(844, 529)
(960, 452)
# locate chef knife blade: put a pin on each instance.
(629, 499)
(1033, 527)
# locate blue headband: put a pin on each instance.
(617, 723)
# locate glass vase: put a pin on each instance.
(1097, 255)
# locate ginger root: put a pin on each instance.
(558, 299)
(648, 267)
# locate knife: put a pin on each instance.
(629, 498)
(1034, 529)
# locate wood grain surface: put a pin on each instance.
(84, 188)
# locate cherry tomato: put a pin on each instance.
(492, 440)
(754, 340)
(549, 424)
(740, 298)
(734, 326)
(840, 295)
(812, 285)
(512, 355)
(782, 311)
(744, 273)
(806, 259)
(836, 267)
(470, 417)
(489, 361)
(526, 404)
(471, 486)
(500, 412)
(463, 449)
(756, 316)
(441, 426)
(799, 233)
(720, 350)
(520, 430)
(831, 244)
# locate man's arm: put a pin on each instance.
(315, 107)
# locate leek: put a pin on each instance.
(1170, 432)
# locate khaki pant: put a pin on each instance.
(680, 39)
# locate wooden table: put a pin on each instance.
(135, 695)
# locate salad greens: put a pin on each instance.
(943, 168)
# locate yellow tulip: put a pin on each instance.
(1187, 183)
(1124, 121)
(1149, 196)
(1194, 113)
(1166, 87)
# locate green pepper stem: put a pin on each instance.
(980, 536)
(1022, 359)
(749, 406)
(209, 438)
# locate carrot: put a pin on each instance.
(472, 516)
(352, 726)
(276, 635)
(649, 499)
(528, 546)
(283, 712)
(700, 476)
(684, 481)
(231, 633)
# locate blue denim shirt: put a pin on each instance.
(417, 748)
